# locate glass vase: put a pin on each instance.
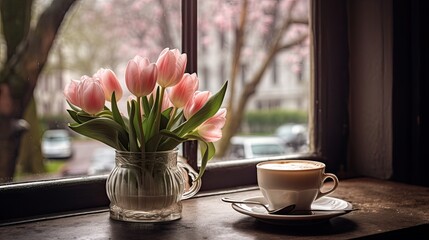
(149, 187)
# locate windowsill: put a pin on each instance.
(383, 209)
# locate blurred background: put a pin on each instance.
(260, 46)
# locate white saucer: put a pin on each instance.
(334, 206)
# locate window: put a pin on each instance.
(58, 195)
(270, 60)
(94, 34)
(263, 49)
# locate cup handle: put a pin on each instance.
(326, 176)
(191, 187)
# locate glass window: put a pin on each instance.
(262, 49)
(93, 35)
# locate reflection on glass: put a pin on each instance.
(262, 48)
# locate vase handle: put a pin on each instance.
(189, 174)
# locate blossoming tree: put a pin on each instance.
(261, 31)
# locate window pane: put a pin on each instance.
(262, 49)
(94, 34)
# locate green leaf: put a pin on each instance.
(132, 134)
(153, 142)
(128, 107)
(84, 117)
(178, 116)
(165, 116)
(126, 123)
(208, 150)
(115, 111)
(73, 115)
(207, 111)
(137, 121)
(105, 113)
(151, 100)
(151, 125)
(104, 130)
(145, 105)
(170, 134)
(73, 107)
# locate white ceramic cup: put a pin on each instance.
(299, 182)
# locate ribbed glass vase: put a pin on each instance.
(149, 187)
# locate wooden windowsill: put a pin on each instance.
(387, 209)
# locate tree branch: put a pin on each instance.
(239, 43)
(39, 43)
(302, 20)
(292, 43)
(15, 16)
(236, 108)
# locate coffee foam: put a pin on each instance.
(290, 166)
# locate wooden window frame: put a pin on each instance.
(45, 199)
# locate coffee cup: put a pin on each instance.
(299, 182)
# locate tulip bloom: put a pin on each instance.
(91, 95)
(211, 129)
(181, 93)
(71, 92)
(140, 76)
(196, 103)
(171, 67)
(110, 83)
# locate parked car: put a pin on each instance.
(102, 161)
(56, 144)
(243, 147)
(294, 136)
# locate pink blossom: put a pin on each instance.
(110, 83)
(181, 93)
(71, 92)
(171, 67)
(211, 129)
(196, 103)
(140, 76)
(91, 95)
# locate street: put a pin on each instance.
(83, 151)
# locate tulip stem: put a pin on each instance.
(139, 116)
(172, 117)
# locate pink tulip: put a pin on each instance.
(211, 129)
(140, 76)
(196, 103)
(71, 92)
(171, 66)
(110, 83)
(181, 93)
(91, 95)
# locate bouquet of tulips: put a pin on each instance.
(166, 109)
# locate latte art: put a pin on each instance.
(286, 182)
(290, 166)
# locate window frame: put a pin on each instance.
(51, 198)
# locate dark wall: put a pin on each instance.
(410, 91)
